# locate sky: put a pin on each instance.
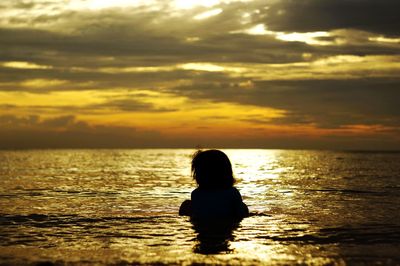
(297, 74)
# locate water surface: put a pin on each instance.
(120, 207)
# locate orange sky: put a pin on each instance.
(199, 73)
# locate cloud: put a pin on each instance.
(68, 132)
(36, 122)
(324, 64)
(325, 15)
(10, 120)
(326, 103)
(79, 46)
(134, 103)
(67, 121)
(34, 132)
(130, 105)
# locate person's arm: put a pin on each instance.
(186, 208)
(242, 210)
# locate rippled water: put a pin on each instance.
(120, 207)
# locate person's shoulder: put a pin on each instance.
(186, 208)
(234, 190)
(195, 192)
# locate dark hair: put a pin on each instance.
(212, 169)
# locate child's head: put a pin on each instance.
(212, 169)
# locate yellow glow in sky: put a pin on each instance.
(187, 4)
(179, 67)
(306, 37)
(70, 98)
(101, 4)
(196, 66)
(208, 14)
(179, 4)
(202, 67)
(338, 67)
(24, 65)
(384, 39)
(184, 117)
(176, 4)
(43, 83)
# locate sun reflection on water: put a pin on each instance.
(120, 206)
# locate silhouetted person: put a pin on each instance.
(215, 197)
(216, 206)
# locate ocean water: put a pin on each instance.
(117, 207)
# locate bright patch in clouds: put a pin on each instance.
(43, 83)
(187, 4)
(177, 4)
(258, 30)
(98, 4)
(306, 37)
(211, 67)
(202, 67)
(208, 14)
(102, 4)
(384, 39)
(24, 65)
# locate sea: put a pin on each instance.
(120, 207)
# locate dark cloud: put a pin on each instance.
(14, 121)
(130, 105)
(329, 103)
(137, 36)
(67, 121)
(68, 132)
(30, 4)
(13, 79)
(76, 44)
(118, 104)
(141, 49)
(35, 122)
(324, 15)
(81, 50)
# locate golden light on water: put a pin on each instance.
(295, 80)
(308, 209)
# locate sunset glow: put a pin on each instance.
(209, 73)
